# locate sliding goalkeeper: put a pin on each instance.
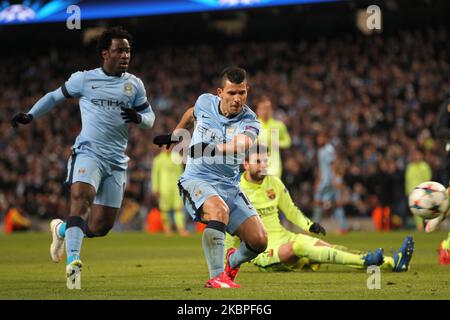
(287, 250)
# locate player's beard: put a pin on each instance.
(257, 176)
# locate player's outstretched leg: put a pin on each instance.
(401, 259)
(322, 252)
(58, 229)
(444, 251)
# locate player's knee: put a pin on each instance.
(103, 232)
(82, 197)
(220, 213)
(258, 243)
(100, 230)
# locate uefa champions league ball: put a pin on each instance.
(429, 200)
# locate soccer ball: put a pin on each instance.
(429, 200)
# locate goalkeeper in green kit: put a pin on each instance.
(166, 168)
(287, 250)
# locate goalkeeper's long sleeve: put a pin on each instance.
(291, 211)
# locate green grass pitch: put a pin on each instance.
(142, 266)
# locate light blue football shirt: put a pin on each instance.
(214, 128)
(326, 157)
(104, 132)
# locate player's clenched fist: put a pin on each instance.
(130, 115)
(23, 118)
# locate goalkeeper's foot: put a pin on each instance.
(403, 256)
(444, 255)
(57, 246)
(374, 259)
(73, 274)
(222, 281)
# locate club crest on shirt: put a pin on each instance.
(198, 193)
(81, 171)
(271, 194)
(128, 89)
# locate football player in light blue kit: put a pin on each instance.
(110, 101)
(327, 195)
(225, 129)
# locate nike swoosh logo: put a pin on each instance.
(93, 87)
(203, 116)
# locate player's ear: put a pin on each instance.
(105, 54)
(245, 164)
(219, 92)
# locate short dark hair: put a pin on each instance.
(105, 40)
(256, 148)
(261, 99)
(233, 74)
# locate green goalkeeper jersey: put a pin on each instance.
(268, 198)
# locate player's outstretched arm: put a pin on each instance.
(187, 120)
(294, 214)
(42, 106)
(186, 123)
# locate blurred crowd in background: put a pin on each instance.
(376, 96)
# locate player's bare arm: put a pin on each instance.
(187, 120)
